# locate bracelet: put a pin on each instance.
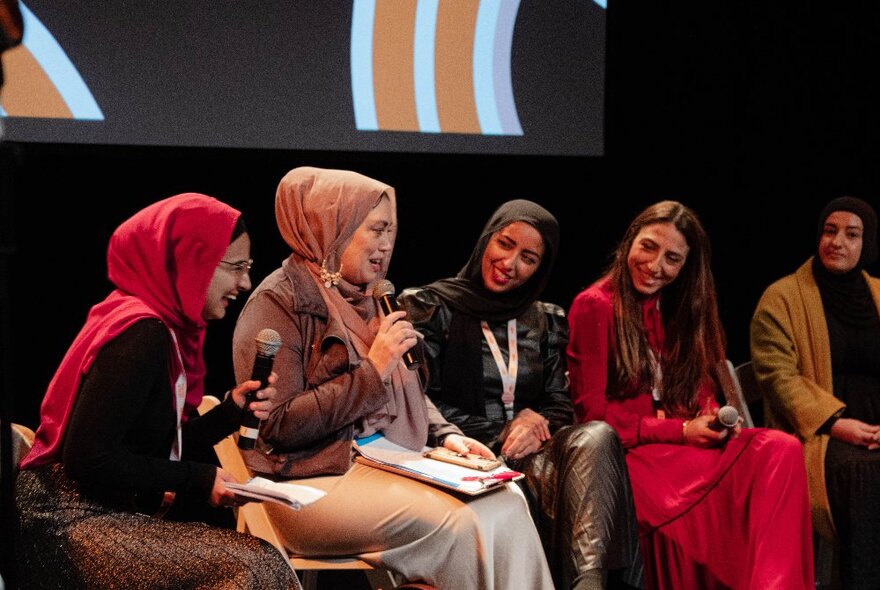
(684, 431)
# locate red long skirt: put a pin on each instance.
(736, 517)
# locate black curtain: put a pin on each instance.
(10, 36)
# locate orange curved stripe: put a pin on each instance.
(454, 69)
(393, 83)
(28, 91)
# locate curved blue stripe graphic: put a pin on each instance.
(503, 81)
(423, 66)
(484, 65)
(493, 87)
(59, 68)
(362, 17)
(602, 3)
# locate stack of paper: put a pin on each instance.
(379, 452)
(290, 494)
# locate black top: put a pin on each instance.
(119, 439)
(541, 384)
(856, 372)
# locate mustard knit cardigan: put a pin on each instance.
(791, 356)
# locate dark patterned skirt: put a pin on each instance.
(69, 541)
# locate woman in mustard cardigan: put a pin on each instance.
(815, 340)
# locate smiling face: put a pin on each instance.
(366, 257)
(230, 278)
(840, 246)
(656, 256)
(512, 256)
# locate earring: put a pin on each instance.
(330, 279)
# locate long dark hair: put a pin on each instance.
(694, 336)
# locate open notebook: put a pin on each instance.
(377, 451)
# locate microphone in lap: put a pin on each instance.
(383, 292)
(268, 344)
(727, 418)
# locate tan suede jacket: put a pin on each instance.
(321, 391)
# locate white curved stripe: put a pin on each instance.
(503, 81)
(59, 68)
(423, 66)
(483, 63)
(362, 17)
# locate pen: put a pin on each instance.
(501, 476)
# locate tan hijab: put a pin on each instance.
(318, 212)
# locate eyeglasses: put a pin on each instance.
(241, 267)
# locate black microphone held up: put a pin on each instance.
(383, 292)
(727, 417)
(268, 344)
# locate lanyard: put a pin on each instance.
(508, 373)
(179, 399)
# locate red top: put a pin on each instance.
(591, 370)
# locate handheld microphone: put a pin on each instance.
(727, 417)
(383, 292)
(268, 344)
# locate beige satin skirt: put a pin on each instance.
(419, 531)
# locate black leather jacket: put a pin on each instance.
(542, 380)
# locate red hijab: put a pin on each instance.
(161, 261)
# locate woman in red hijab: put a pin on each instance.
(119, 442)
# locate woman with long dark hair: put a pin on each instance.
(645, 341)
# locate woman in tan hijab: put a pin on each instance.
(340, 377)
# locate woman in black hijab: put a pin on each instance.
(815, 345)
(496, 366)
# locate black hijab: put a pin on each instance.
(466, 292)
(847, 296)
(461, 361)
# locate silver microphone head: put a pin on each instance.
(383, 288)
(728, 416)
(268, 342)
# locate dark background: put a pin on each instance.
(752, 113)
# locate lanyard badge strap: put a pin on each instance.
(508, 373)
